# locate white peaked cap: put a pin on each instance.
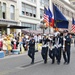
(44, 34)
(56, 33)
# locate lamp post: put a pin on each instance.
(43, 26)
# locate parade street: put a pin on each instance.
(20, 65)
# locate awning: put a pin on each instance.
(3, 26)
(31, 31)
(14, 27)
(18, 27)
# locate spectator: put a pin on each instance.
(5, 45)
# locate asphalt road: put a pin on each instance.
(20, 65)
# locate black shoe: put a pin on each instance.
(45, 62)
(32, 62)
(52, 63)
(64, 62)
(67, 63)
(58, 63)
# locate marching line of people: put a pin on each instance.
(55, 44)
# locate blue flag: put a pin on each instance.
(50, 14)
(61, 21)
(73, 21)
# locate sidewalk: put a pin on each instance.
(25, 53)
(14, 55)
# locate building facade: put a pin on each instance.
(8, 15)
(32, 11)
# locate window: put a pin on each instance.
(67, 12)
(33, 26)
(28, 10)
(73, 3)
(71, 14)
(44, 2)
(41, 13)
(4, 11)
(63, 10)
(12, 12)
(23, 9)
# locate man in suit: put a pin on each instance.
(57, 48)
(51, 48)
(44, 51)
(59, 45)
(31, 51)
(66, 47)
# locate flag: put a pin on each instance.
(60, 20)
(51, 20)
(73, 25)
(46, 17)
(50, 14)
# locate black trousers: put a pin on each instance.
(66, 54)
(44, 53)
(59, 54)
(31, 53)
(55, 53)
(52, 55)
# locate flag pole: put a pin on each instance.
(51, 15)
(49, 28)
